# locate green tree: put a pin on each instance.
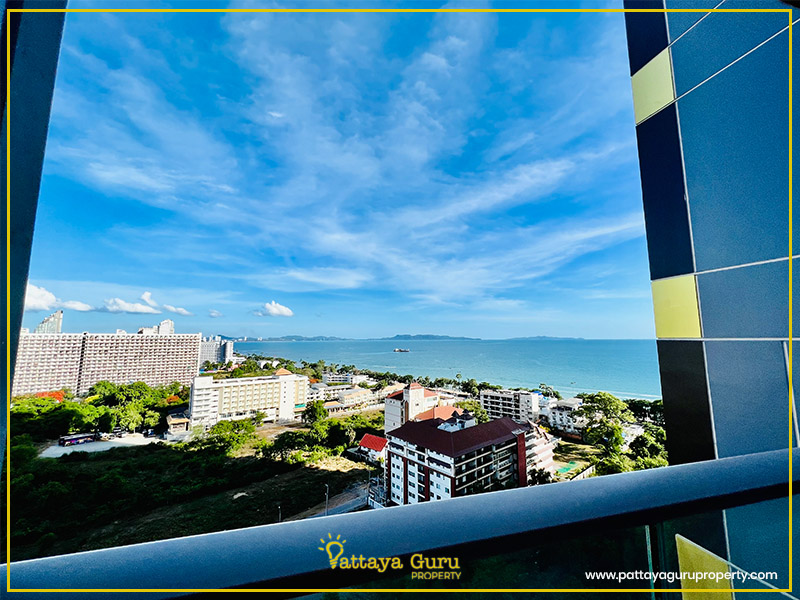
(315, 411)
(229, 436)
(549, 392)
(616, 463)
(105, 389)
(648, 448)
(474, 406)
(470, 387)
(606, 435)
(539, 477)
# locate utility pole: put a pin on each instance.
(327, 489)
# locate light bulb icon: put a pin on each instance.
(334, 548)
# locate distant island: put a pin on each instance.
(427, 336)
(396, 338)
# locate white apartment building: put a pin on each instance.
(559, 415)
(51, 324)
(276, 396)
(350, 378)
(215, 350)
(77, 361)
(405, 404)
(166, 327)
(438, 459)
(47, 362)
(326, 393)
(522, 406)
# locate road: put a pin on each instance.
(351, 499)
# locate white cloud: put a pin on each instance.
(148, 298)
(275, 115)
(273, 309)
(76, 305)
(177, 310)
(214, 314)
(311, 279)
(38, 298)
(117, 305)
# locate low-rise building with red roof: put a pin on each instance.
(373, 447)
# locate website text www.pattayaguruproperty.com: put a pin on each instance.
(673, 576)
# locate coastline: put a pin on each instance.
(624, 368)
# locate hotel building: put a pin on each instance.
(51, 361)
(405, 404)
(51, 324)
(276, 396)
(215, 350)
(437, 459)
(522, 406)
(350, 378)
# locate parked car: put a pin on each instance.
(119, 432)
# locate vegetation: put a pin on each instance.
(315, 411)
(55, 500)
(647, 410)
(107, 405)
(548, 391)
(605, 417)
(474, 406)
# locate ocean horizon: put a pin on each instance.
(625, 368)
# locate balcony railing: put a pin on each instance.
(630, 518)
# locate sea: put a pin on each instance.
(625, 368)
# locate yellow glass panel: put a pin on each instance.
(706, 571)
(675, 305)
(652, 87)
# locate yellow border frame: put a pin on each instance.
(369, 10)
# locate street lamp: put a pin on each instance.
(327, 489)
(279, 513)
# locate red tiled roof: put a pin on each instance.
(439, 412)
(282, 371)
(457, 443)
(413, 386)
(373, 442)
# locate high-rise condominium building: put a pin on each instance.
(79, 360)
(51, 324)
(437, 459)
(215, 350)
(521, 406)
(276, 396)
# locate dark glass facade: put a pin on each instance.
(712, 106)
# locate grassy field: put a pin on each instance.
(254, 504)
(572, 452)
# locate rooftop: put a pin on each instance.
(439, 412)
(373, 442)
(457, 443)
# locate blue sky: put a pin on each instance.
(354, 175)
